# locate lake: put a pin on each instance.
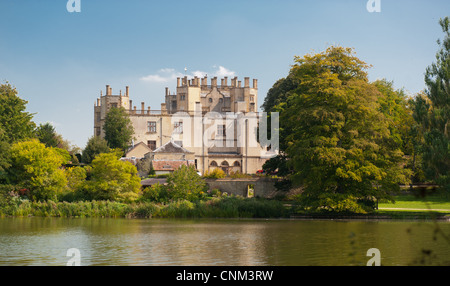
(219, 242)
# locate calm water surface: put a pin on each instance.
(45, 241)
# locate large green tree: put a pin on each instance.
(15, 121)
(432, 111)
(36, 169)
(112, 179)
(338, 140)
(118, 128)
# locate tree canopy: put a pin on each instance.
(432, 111)
(113, 179)
(118, 128)
(337, 139)
(95, 145)
(15, 122)
(37, 169)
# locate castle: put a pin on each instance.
(209, 125)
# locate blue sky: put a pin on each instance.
(59, 61)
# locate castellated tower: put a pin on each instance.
(156, 128)
(225, 97)
(104, 104)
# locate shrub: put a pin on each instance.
(214, 174)
(113, 179)
(185, 184)
(237, 175)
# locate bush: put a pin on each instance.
(113, 179)
(9, 200)
(155, 193)
(333, 203)
(238, 175)
(185, 184)
(214, 174)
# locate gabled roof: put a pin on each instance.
(140, 146)
(171, 147)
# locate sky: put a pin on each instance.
(59, 61)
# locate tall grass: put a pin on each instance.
(227, 207)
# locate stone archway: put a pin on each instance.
(225, 166)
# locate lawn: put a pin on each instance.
(410, 205)
(433, 202)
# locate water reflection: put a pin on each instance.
(45, 241)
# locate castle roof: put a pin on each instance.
(171, 147)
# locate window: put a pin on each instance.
(114, 105)
(220, 100)
(210, 100)
(182, 97)
(213, 164)
(178, 127)
(151, 144)
(252, 98)
(221, 131)
(151, 126)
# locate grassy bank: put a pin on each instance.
(405, 207)
(414, 207)
(231, 207)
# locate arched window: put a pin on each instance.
(236, 164)
(213, 164)
(225, 164)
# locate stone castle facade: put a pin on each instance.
(216, 124)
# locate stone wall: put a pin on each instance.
(262, 186)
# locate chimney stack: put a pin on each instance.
(108, 90)
(255, 83)
(127, 90)
(246, 82)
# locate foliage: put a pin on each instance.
(95, 145)
(214, 174)
(75, 177)
(155, 193)
(15, 123)
(338, 141)
(278, 165)
(227, 207)
(185, 183)
(46, 134)
(145, 167)
(239, 175)
(112, 179)
(118, 128)
(37, 169)
(432, 111)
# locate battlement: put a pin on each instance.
(203, 82)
